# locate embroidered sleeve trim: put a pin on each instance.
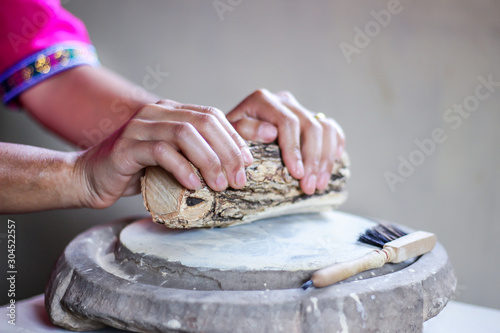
(43, 65)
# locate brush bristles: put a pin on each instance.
(381, 234)
(307, 284)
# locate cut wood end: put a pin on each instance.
(166, 199)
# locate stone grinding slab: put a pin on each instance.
(141, 277)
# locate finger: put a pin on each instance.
(134, 185)
(185, 138)
(329, 153)
(340, 139)
(219, 140)
(263, 105)
(166, 110)
(233, 134)
(312, 141)
(141, 154)
(256, 130)
(312, 149)
(289, 143)
(333, 147)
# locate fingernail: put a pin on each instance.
(221, 182)
(247, 156)
(311, 183)
(299, 169)
(323, 180)
(241, 178)
(267, 132)
(194, 181)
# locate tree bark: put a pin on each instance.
(270, 191)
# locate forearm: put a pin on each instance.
(84, 104)
(35, 179)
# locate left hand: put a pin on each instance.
(309, 143)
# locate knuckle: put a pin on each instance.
(289, 119)
(168, 102)
(295, 151)
(286, 95)
(235, 159)
(206, 120)
(312, 166)
(182, 130)
(212, 163)
(159, 149)
(314, 162)
(119, 151)
(260, 93)
(312, 124)
(150, 109)
(211, 111)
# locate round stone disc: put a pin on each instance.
(277, 253)
(297, 242)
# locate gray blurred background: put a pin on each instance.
(396, 89)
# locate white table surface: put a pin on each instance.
(459, 317)
(455, 318)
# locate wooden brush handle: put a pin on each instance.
(341, 271)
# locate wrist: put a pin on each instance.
(80, 185)
(70, 189)
(88, 192)
(58, 181)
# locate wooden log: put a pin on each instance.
(270, 191)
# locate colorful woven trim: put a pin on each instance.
(44, 64)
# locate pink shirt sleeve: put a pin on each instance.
(38, 39)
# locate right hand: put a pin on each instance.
(170, 135)
(309, 145)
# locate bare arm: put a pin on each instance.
(85, 104)
(33, 179)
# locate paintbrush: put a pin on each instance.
(394, 246)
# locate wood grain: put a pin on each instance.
(270, 191)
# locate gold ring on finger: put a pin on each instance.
(320, 115)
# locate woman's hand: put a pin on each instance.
(173, 135)
(309, 144)
(168, 134)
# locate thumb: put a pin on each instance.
(256, 130)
